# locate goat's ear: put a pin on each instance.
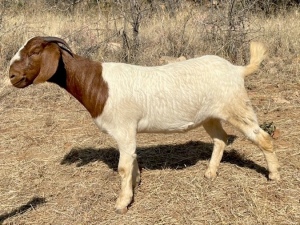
(49, 62)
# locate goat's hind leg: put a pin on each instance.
(215, 130)
(247, 123)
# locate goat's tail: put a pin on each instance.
(257, 54)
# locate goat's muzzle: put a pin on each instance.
(18, 80)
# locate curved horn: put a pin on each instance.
(63, 45)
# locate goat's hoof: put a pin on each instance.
(210, 175)
(122, 211)
(274, 176)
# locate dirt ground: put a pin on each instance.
(58, 168)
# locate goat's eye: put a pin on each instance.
(34, 53)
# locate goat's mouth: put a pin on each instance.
(21, 83)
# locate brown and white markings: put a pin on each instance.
(126, 99)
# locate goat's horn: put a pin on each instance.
(64, 45)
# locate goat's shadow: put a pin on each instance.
(32, 204)
(161, 156)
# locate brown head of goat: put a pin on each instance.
(36, 61)
(50, 59)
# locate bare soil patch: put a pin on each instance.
(57, 168)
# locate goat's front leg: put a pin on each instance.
(127, 168)
(136, 176)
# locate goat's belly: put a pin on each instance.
(165, 126)
(161, 120)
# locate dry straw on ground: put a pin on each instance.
(57, 168)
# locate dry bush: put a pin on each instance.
(193, 30)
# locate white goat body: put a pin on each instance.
(174, 97)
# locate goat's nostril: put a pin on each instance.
(12, 76)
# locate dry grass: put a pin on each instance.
(57, 168)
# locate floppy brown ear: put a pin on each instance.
(49, 63)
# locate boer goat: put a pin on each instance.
(125, 99)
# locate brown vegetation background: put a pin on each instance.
(56, 167)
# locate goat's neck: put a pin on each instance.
(83, 79)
